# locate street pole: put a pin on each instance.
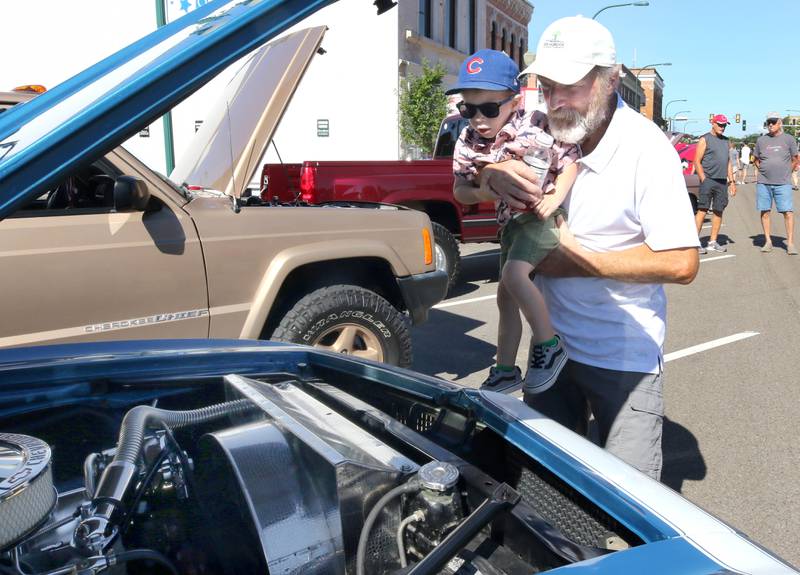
(666, 111)
(620, 6)
(169, 145)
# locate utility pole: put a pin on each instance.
(169, 144)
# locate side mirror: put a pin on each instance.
(130, 193)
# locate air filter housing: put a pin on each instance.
(26, 486)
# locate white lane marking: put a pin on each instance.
(459, 302)
(709, 345)
(703, 260)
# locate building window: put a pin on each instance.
(521, 55)
(512, 46)
(503, 41)
(494, 36)
(452, 19)
(425, 27)
(473, 19)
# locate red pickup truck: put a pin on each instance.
(425, 185)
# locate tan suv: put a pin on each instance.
(117, 251)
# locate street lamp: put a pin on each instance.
(620, 6)
(666, 110)
(638, 84)
(675, 117)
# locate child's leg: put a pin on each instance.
(509, 327)
(517, 281)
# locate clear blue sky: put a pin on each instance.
(728, 56)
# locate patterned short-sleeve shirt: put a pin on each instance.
(472, 152)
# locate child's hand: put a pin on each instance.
(545, 208)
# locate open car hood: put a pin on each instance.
(225, 152)
(98, 109)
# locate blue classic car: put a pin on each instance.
(233, 456)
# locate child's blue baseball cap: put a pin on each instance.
(487, 70)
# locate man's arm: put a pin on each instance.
(638, 264)
(698, 157)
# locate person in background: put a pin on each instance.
(630, 230)
(746, 161)
(499, 130)
(734, 159)
(712, 163)
(775, 158)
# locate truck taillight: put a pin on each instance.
(308, 182)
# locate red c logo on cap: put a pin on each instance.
(472, 65)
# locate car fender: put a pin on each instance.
(292, 258)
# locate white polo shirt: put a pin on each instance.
(629, 190)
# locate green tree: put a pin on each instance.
(423, 106)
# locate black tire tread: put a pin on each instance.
(305, 312)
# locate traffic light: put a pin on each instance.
(744, 125)
(738, 118)
(711, 117)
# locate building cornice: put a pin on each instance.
(519, 10)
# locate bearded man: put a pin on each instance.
(630, 229)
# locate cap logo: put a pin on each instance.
(473, 67)
(555, 41)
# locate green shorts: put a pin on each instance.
(528, 238)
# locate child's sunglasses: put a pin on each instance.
(488, 109)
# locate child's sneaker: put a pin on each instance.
(503, 381)
(544, 365)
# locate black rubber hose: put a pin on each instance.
(142, 417)
(408, 487)
(113, 485)
(143, 555)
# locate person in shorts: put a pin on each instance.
(775, 158)
(745, 162)
(500, 130)
(712, 164)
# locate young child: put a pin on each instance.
(499, 130)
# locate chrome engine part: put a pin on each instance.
(305, 475)
(27, 494)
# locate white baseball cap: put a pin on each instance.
(570, 47)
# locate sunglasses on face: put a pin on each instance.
(772, 121)
(488, 109)
(723, 126)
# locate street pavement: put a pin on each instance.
(731, 377)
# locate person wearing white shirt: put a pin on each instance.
(630, 230)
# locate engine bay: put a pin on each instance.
(284, 474)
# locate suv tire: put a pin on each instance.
(348, 319)
(447, 254)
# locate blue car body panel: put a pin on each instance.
(61, 375)
(41, 141)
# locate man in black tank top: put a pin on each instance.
(713, 167)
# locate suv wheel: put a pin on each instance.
(447, 255)
(351, 320)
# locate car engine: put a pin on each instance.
(284, 477)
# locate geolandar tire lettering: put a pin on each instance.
(315, 318)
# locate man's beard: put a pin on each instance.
(568, 126)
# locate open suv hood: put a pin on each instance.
(98, 109)
(226, 151)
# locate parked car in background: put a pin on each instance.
(686, 150)
(114, 250)
(424, 185)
